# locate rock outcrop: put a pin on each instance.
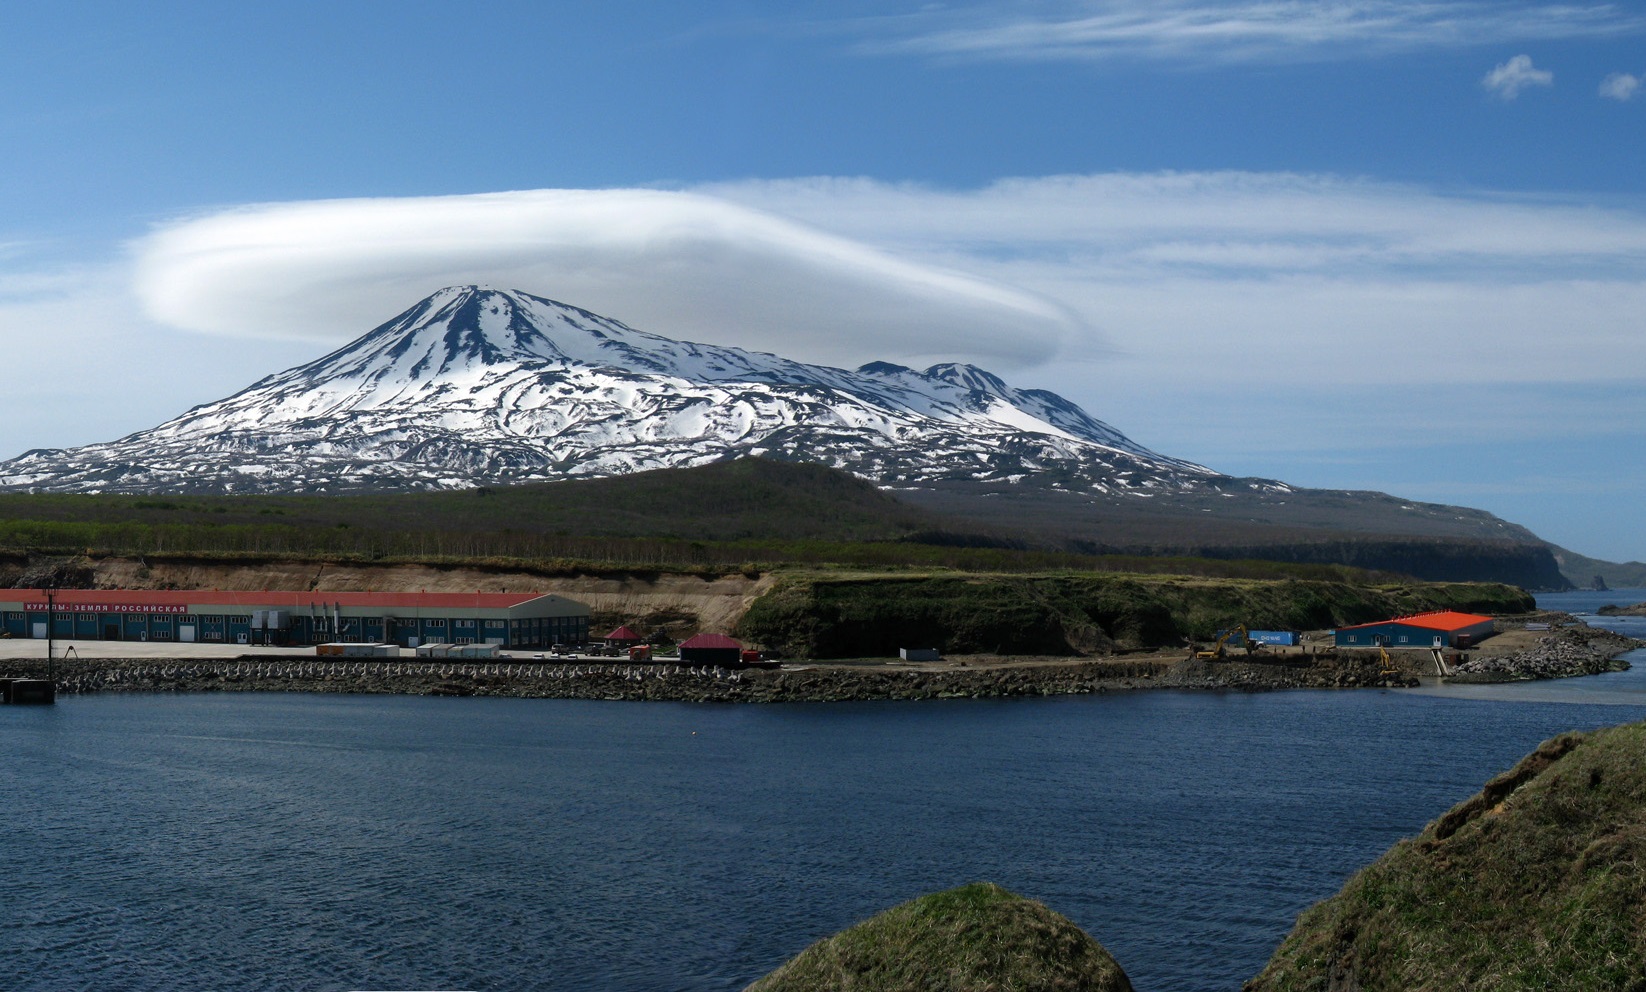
(1570, 651)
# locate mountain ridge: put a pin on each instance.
(475, 386)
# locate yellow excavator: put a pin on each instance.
(1388, 661)
(1221, 646)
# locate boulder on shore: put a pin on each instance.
(976, 938)
(1538, 882)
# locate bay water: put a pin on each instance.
(298, 841)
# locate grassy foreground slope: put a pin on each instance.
(976, 938)
(1538, 882)
(833, 616)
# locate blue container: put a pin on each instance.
(1281, 638)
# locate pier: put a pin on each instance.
(25, 692)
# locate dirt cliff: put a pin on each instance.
(683, 602)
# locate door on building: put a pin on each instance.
(111, 632)
(185, 633)
(40, 631)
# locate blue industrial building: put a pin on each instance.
(515, 620)
(1440, 629)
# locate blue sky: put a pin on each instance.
(1397, 246)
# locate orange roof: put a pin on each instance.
(67, 599)
(1435, 620)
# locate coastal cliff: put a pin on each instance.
(857, 616)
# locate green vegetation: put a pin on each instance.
(728, 502)
(857, 616)
(1360, 529)
(977, 938)
(744, 515)
(723, 516)
(1538, 882)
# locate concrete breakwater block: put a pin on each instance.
(28, 691)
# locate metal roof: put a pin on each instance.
(1447, 620)
(67, 599)
(711, 641)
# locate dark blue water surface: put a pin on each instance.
(290, 841)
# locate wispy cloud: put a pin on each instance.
(1197, 272)
(1507, 79)
(1188, 272)
(1240, 31)
(1620, 86)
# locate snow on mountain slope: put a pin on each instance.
(475, 386)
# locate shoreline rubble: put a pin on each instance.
(1567, 651)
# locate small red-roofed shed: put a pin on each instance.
(711, 649)
(624, 637)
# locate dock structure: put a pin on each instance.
(406, 619)
(28, 692)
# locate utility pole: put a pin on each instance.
(51, 625)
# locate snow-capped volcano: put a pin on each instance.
(476, 386)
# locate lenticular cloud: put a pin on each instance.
(682, 264)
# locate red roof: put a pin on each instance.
(67, 599)
(1437, 620)
(711, 641)
(624, 633)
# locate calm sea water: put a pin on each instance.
(278, 841)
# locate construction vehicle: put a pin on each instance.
(1389, 670)
(1220, 648)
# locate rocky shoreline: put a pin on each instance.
(683, 683)
(1569, 651)
(1564, 652)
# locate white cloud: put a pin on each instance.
(1509, 78)
(1127, 275)
(1620, 86)
(83, 365)
(1239, 31)
(675, 263)
(1192, 274)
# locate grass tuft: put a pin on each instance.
(976, 938)
(1537, 883)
